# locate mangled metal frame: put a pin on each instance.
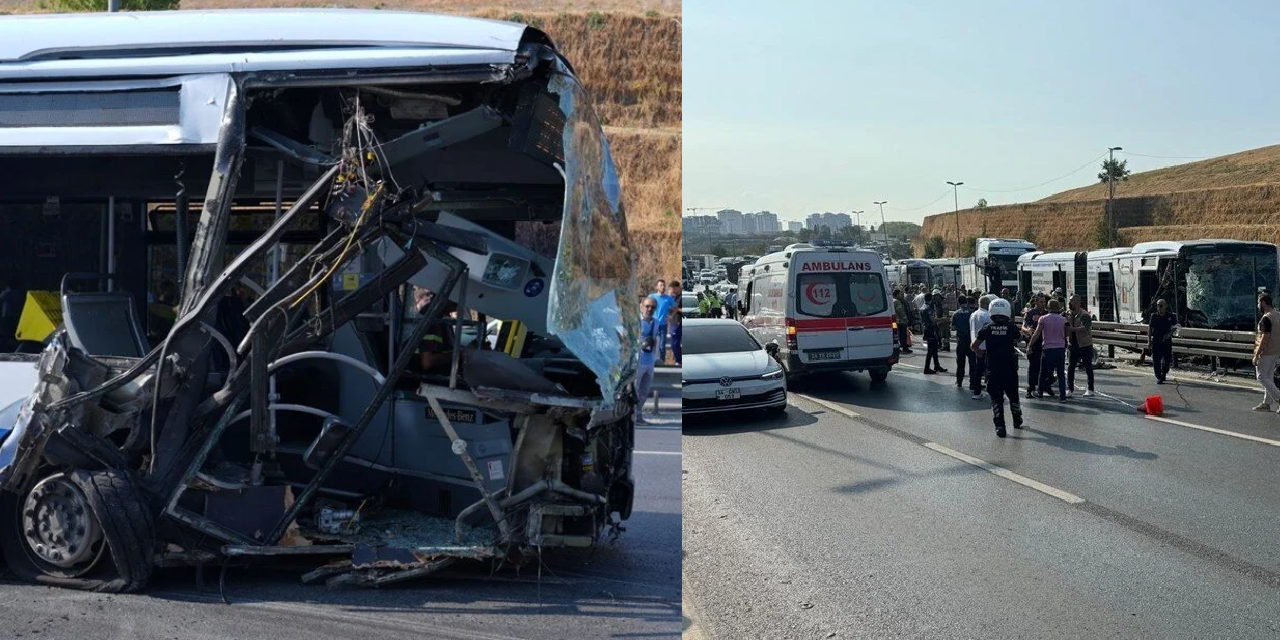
(194, 423)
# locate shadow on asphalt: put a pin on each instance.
(1078, 445)
(731, 422)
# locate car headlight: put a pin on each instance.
(772, 375)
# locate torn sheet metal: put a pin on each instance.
(593, 291)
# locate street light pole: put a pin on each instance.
(1111, 191)
(882, 230)
(857, 227)
(955, 191)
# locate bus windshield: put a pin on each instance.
(1222, 288)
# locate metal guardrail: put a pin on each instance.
(664, 378)
(1187, 341)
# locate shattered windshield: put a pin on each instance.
(1222, 289)
(593, 308)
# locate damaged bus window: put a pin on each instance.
(379, 318)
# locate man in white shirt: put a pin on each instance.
(977, 321)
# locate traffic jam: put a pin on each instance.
(805, 310)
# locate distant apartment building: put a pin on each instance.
(701, 225)
(766, 222)
(795, 226)
(731, 221)
(835, 222)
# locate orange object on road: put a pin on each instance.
(1154, 406)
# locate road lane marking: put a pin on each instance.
(909, 366)
(1242, 436)
(830, 405)
(1064, 496)
(659, 453)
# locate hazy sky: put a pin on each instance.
(805, 106)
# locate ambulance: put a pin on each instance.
(826, 309)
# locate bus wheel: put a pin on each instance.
(81, 530)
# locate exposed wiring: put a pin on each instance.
(355, 229)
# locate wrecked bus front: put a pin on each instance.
(399, 330)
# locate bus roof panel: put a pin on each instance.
(173, 33)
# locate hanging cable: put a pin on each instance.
(1036, 186)
(935, 201)
(1144, 155)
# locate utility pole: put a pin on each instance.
(882, 230)
(857, 227)
(955, 191)
(1111, 191)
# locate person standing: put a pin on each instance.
(964, 354)
(1266, 353)
(931, 337)
(665, 303)
(1030, 320)
(942, 317)
(1051, 330)
(1160, 340)
(676, 322)
(1081, 332)
(648, 355)
(978, 321)
(1000, 339)
(900, 312)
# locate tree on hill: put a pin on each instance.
(72, 6)
(1029, 234)
(1104, 235)
(1114, 170)
(969, 247)
(934, 247)
(982, 204)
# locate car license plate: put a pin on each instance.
(827, 354)
(728, 394)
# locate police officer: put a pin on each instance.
(1001, 336)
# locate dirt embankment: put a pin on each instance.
(1235, 197)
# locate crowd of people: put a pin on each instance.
(660, 328)
(1055, 336)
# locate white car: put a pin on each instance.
(725, 369)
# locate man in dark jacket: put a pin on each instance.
(931, 337)
(964, 355)
(1160, 340)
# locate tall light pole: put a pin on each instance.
(857, 227)
(882, 231)
(1111, 191)
(955, 192)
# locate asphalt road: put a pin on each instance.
(861, 513)
(628, 589)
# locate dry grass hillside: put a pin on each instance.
(1252, 167)
(1235, 196)
(628, 55)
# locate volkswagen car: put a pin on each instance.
(725, 369)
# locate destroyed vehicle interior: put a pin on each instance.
(355, 295)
